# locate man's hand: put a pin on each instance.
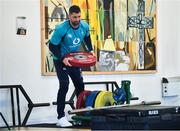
(92, 52)
(66, 61)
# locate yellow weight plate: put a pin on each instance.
(104, 98)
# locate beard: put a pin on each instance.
(75, 23)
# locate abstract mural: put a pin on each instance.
(123, 33)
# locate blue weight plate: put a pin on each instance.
(91, 99)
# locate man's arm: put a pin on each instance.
(87, 40)
(55, 49)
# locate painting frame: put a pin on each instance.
(123, 40)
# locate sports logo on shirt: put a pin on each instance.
(76, 41)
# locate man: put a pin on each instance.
(67, 38)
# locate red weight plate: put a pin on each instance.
(82, 99)
(81, 59)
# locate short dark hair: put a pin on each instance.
(74, 9)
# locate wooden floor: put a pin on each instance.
(43, 129)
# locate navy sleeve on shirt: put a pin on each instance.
(87, 39)
(55, 49)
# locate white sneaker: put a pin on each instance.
(63, 122)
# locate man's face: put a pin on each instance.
(75, 19)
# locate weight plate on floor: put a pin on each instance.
(91, 99)
(82, 99)
(104, 98)
(81, 59)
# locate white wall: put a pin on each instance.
(168, 42)
(0, 42)
(21, 61)
(168, 36)
(178, 45)
(0, 50)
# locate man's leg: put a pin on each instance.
(77, 79)
(63, 87)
